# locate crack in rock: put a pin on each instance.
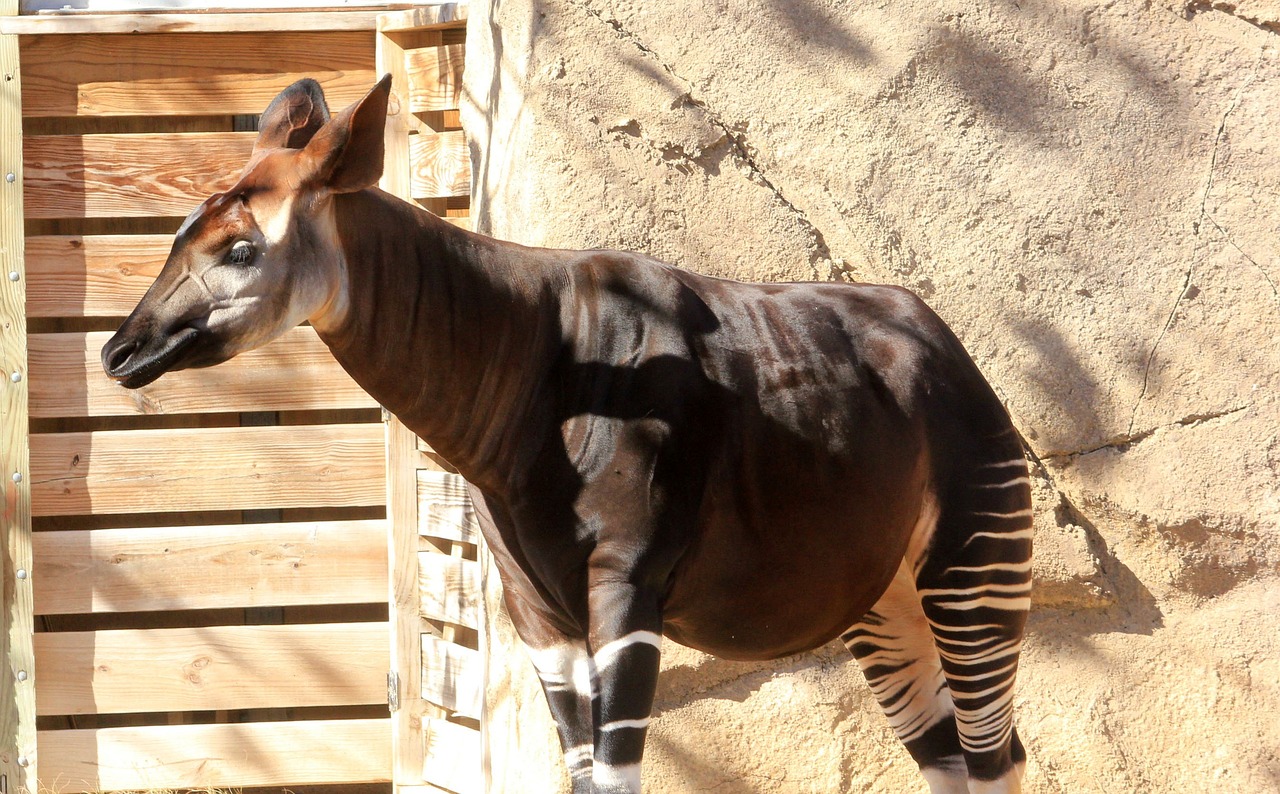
(1129, 439)
(820, 251)
(1197, 7)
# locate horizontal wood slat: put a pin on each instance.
(452, 676)
(210, 567)
(440, 164)
(450, 589)
(444, 509)
(91, 275)
(188, 73)
(103, 176)
(424, 18)
(435, 77)
(203, 22)
(295, 372)
(210, 668)
(453, 757)
(166, 470)
(198, 756)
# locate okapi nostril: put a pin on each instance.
(115, 358)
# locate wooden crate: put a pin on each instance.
(196, 573)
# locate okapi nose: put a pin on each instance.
(116, 353)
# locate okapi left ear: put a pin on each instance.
(346, 154)
(293, 117)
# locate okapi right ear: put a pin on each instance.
(293, 117)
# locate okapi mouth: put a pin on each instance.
(131, 366)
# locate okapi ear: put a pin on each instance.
(293, 117)
(346, 154)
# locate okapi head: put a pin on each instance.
(253, 262)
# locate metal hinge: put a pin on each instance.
(4, 784)
(393, 693)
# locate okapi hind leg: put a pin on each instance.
(894, 646)
(975, 587)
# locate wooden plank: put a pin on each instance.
(92, 275)
(153, 471)
(210, 668)
(295, 372)
(441, 165)
(406, 654)
(444, 508)
(435, 77)
(104, 176)
(424, 18)
(453, 757)
(199, 756)
(452, 676)
(210, 567)
(17, 696)
(206, 22)
(188, 73)
(450, 589)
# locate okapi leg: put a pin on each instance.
(894, 647)
(625, 641)
(568, 680)
(975, 587)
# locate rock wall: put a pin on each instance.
(1089, 193)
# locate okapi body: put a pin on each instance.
(751, 470)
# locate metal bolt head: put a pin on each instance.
(16, 377)
(9, 177)
(23, 761)
(22, 573)
(17, 476)
(14, 275)
(22, 675)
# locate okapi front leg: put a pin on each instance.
(568, 681)
(625, 638)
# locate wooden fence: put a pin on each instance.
(196, 575)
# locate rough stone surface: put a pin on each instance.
(1089, 193)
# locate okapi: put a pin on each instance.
(751, 470)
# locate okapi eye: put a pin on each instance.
(240, 253)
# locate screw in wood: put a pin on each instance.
(16, 377)
(22, 573)
(22, 675)
(9, 177)
(23, 761)
(17, 476)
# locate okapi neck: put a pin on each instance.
(442, 326)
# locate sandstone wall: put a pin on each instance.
(1089, 193)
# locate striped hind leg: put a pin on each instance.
(894, 646)
(975, 587)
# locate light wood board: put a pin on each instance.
(92, 275)
(244, 468)
(435, 77)
(441, 165)
(197, 756)
(109, 176)
(453, 757)
(188, 73)
(450, 589)
(210, 567)
(212, 667)
(452, 677)
(295, 372)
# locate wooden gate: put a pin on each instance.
(195, 575)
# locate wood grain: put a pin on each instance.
(199, 756)
(424, 18)
(444, 508)
(243, 468)
(210, 567)
(295, 372)
(105, 176)
(17, 700)
(453, 757)
(91, 275)
(435, 77)
(441, 165)
(450, 589)
(452, 677)
(178, 74)
(204, 22)
(210, 668)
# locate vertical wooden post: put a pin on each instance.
(17, 689)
